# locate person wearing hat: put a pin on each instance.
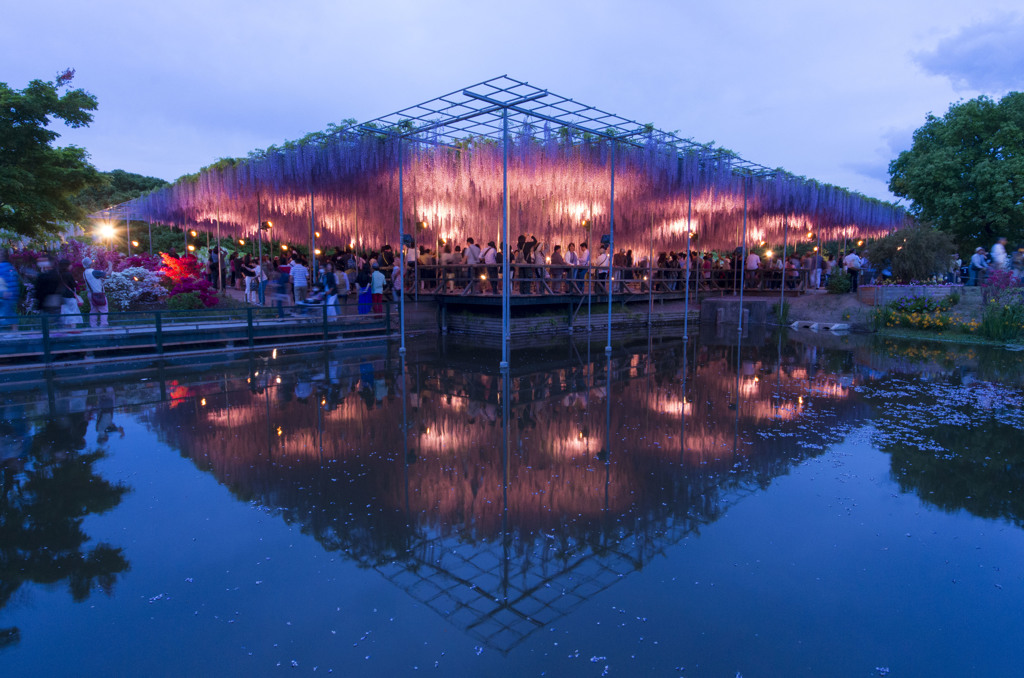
(97, 295)
(978, 264)
(377, 281)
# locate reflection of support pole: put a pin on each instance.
(689, 263)
(505, 541)
(405, 437)
(401, 249)
(506, 319)
(743, 261)
(611, 252)
(607, 424)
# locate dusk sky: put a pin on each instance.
(832, 91)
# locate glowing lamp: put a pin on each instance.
(768, 253)
(317, 234)
(135, 243)
(241, 242)
(586, 224)
(815, 249)
(106, 231)
(483, 277)
(284, 248)
(191, 248)
(194, 234)
(316, 252)
(548, 259)
(860, 243)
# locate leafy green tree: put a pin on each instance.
(915, 253)
(37, 179)
(965, 171)
(114, 188)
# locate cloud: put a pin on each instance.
(984, 57)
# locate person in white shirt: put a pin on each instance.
(583, 262)
(377, 281)
(472, 262)
(300, 279)
(601, 267)
(998, 254)
(853, 265)
(753, 269)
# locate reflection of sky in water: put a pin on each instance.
(603, 468)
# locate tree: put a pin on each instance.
(37, 179)
(965, 171)
(915, 253)
(114, 188)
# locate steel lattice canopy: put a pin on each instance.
(562, 155)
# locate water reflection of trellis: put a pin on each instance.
(501, 591)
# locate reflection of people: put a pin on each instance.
(105, 420)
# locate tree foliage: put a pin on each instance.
(915, 253)
(965, 171)
(114, 188)
(37, 179)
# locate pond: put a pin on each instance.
(806, 505)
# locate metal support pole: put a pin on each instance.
(128, 231)
(506, 319)
(401, 249)
(159, 333)
(220, 258)
(259, 234)
(150, 237)
(611, 251)
(689, 264)
(785, 246)
(650, 276)
(743, 261)
(312, 229)
(45, 318)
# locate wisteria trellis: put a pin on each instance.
(558, 177)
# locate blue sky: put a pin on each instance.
(827, 90)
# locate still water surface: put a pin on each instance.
(814, 507)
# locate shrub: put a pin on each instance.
(202, 289)
(186, 301)
(781, 312)
(1003, 318)
(838, 283)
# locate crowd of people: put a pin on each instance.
(55, 291)
(983, 262)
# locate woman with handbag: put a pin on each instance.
(70, 315)
(97, 297)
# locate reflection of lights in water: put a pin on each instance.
(273, 354)
(202, 402)
(279, 431)
(277, 380)
(749, 387)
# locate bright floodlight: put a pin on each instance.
(106, 231)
